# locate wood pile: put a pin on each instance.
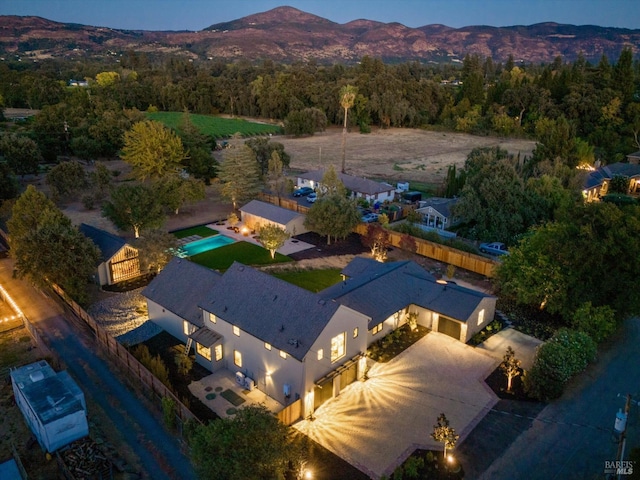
(84, 460)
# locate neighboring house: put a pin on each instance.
(256, 213)
(293, 344)
(370, 190)
(436, 212)
(118, 260)
(596, 184)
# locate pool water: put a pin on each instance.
(204, 245)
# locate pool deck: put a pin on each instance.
(290, 246)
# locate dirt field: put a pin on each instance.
(396, 154)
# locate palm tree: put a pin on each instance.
(347, 99)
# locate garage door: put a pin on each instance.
(449, 327)
(348, 376)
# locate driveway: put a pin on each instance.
(523, 345)
(375, 425)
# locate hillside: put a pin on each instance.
(287, 34)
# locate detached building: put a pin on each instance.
(359, 187)
(52, 404)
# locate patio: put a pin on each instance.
(211, 390)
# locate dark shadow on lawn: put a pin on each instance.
(349, 246)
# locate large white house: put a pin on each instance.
(293, 344)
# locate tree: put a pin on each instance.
(377, 239)
(263, 149)
(152, 150)
(619, 184)
(174, 191)
(272, 237)
(305, 122)
(445, 434)
(47, 247)
(134, 206)
(8, 184)
(275, 175)
(510, 366)
(333, 215)
(156, 248)
(199, 163)
(348, 95)
(597, 322)
(564, 355)
(252, 445)
(331, 183)
(21, 154)
(100, 180)
(239, 175)
(67, 178)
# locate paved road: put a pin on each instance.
(572, 437)
(159, 452)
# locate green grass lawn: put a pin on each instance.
(243, 252)
(312, 280)
(216, 127)
(201, 230)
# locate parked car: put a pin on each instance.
(312, 197)
(303, 192)
(370, 218)
(494, 248)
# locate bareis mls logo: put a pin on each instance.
(618, 468)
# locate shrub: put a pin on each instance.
(597, 322)
(154, 364)
(184, 363)
(169, 412)
(567, 353)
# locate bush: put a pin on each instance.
(597, 322)
(154, 364)
(169, 412)
(566, 354)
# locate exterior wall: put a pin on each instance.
(267, 368)
(65, 430)
(377, 197)
(474, 324)
(103, 274)
(294, 227)
(389, 325)
(345, 320)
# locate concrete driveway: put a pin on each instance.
(375, 425)
(524, 345)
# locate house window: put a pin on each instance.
(204, 351)
(267, 346)
(338, 346)
(283, 354)
(186, 327)
(481, 317)
(320, 354)
(355, 332)
(218, 351)
(377, 329)
(212, 317)
(237, 358)
(236, 331)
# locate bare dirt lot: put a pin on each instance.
(396, 154)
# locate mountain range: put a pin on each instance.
(286, 34)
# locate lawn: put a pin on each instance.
(216, 127)
(312, 280)
(243, 252)
(201, 230)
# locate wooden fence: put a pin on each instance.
(443, 253)
(126, 360)
(291, 413)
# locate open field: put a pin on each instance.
(395, 154)
(217, 127)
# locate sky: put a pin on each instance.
(199, 14)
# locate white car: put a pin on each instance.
(312, 197)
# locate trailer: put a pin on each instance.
(53, 405)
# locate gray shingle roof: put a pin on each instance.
(382, 293)
(355, 184)
(180, 287)
(108, 243)
(270, 212)
(272, 310)
(597, 177)
(440, 205)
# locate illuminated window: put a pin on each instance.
(186, 327)
(320, 354)
(355, 332)
(338, 346)
(267, 346)
(481, 317)
(204, 351)
(237, 358)
(236, 331)
(212, 317)
(376, 329)
(218, 352)
(283, 354)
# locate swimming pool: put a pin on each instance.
(204, 245)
